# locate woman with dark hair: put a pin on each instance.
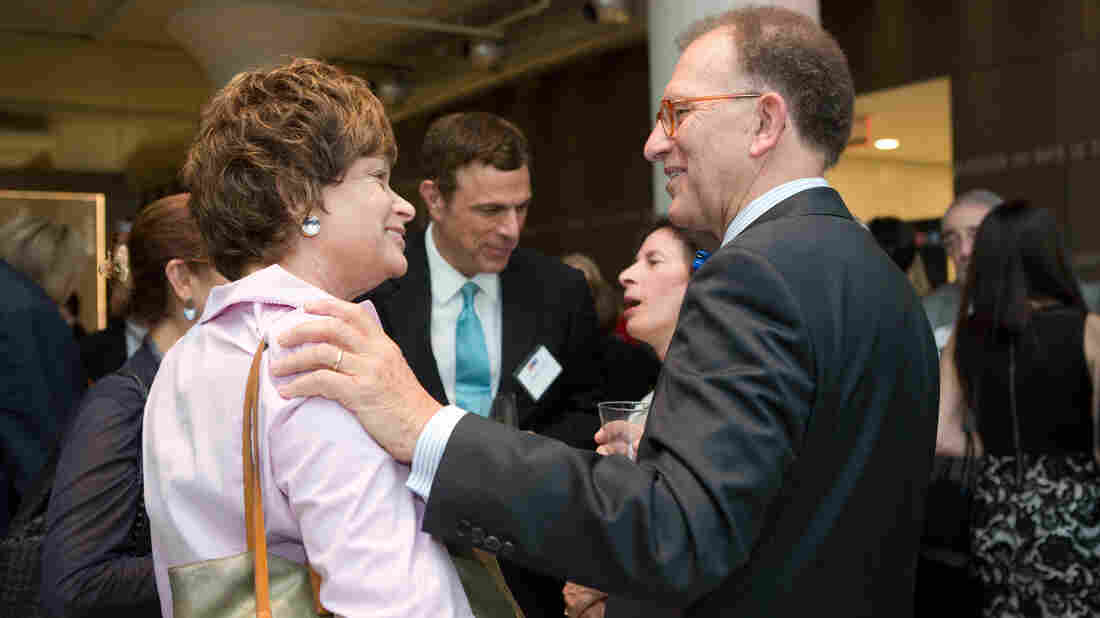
(96, 557)
(654, 287)
(628, 368)
(1018, 388)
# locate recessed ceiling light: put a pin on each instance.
(887, 143)
(486, 54)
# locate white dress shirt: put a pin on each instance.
(433, 439)
(135, 336)
(446, 286)
(329, 491)
(766, 202)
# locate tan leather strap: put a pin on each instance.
(315, 581)
(255, 530)
(489, 561)
(253, 497)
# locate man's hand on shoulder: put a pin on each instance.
(360, 367)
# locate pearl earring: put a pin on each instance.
(189, 311)
(311, 226)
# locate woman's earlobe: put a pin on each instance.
(179, 278)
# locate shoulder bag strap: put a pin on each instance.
(253, 497)
(255, 529)
(139, 530)
(141, 383)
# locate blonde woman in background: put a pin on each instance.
(40, 374)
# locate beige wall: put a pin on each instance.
(877, 188)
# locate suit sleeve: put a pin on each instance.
(730, 410)
(40, 383)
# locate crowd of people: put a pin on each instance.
(794, 380)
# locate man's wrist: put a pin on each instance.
(428, 449)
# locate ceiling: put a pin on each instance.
(422, 43)
(116, 85)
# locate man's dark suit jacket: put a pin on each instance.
(104, 351)
(544, 302)
(41, 381)
(784, 464)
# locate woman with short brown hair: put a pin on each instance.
(290, 176)
(268, 145)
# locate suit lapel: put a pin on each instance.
(517, 328)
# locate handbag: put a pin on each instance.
(21, 549)
(484, 584)
(253, 583)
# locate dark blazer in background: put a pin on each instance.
(629, 369)
(104, 351)
(785, 459)
(544, 302)
(97, 555)
(41, 381)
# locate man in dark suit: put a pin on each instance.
(783, 467)
(41, 382)
(104, 351)
(477, 189)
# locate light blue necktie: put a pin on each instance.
(473, 389)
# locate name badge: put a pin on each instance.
(538, 372)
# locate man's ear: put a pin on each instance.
(433, 198)
(180, 279)
(772, 122)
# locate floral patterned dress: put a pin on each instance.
(1036, 520)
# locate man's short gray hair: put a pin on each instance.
(980, 197)
(786, 50)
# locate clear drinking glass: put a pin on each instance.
(616, 418)
(504, 410)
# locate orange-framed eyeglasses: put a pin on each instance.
(669, 114)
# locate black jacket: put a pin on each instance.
(544, 302)
(96, 557)
(40, 382)
(104, 351)
(786, 454)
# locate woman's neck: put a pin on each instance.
(661, 347)
(310, 268)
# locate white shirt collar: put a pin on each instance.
(756, 208)
(135, 335)
(446, 281)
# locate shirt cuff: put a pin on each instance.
(429, 449)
